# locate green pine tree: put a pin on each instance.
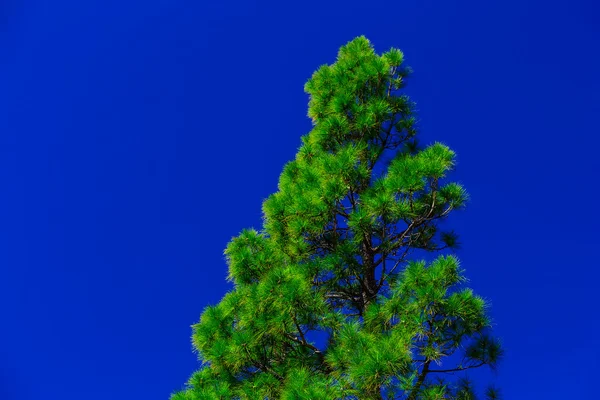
(329, 301)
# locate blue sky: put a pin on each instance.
(138, 137)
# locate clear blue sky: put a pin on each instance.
(138, 137)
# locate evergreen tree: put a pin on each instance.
(329, 301)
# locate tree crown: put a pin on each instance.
(328, 301)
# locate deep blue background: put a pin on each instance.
(137, 137)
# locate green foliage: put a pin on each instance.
(329, 302)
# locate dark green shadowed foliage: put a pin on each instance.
(329, 300)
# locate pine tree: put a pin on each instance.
(333, 298)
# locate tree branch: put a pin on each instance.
(458, 369)
(413, 394)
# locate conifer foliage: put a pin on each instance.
(331, 299)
